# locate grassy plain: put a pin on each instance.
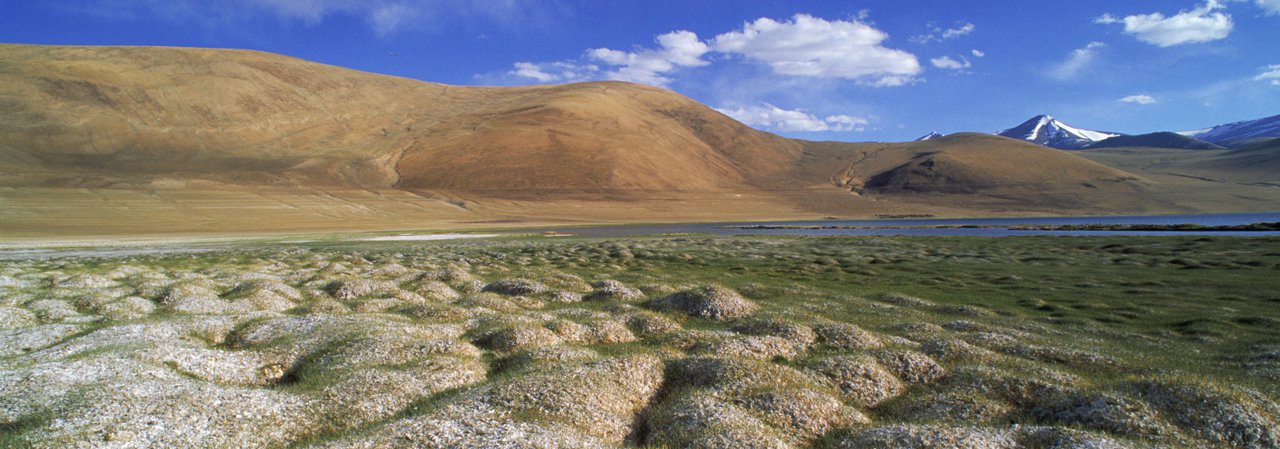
(1032, 342)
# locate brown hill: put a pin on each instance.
(103, 115)
(142, 139)
(975, 163)
(975, 172)
(1255, 164)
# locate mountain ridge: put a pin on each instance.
(133, 139)
(1048, 131)
(1238, 133)
(1163, 139)
(247, 117)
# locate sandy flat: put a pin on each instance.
(425, 237)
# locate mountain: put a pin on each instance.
(1048, 131)
(975, 163)
(111, 140)
(1232, 134)
(1156, 140)
(100, 116)
(930, 136)
(1251, 165)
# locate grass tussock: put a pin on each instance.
(650, 342)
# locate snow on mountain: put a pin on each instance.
(1238, 131)
(1048, 131)
(930, 136)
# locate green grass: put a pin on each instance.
(1180, 303)
(1181, 307)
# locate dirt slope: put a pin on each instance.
(106, 115)
(960, 163)
(1258, 164)
(206, 140)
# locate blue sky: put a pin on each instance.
(828, 70)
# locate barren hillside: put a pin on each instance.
(147, 139)
(105, 115)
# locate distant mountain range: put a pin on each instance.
(186, 140)
(1163, 139)
(1239, 133)
(1048, 131)
(930, 136)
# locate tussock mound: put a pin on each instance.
(515, 287)
(848, 337)
(593, 404)
(519, 337)
(1220, 416)
(912, 367)
(712, 302)
(728, 403)
(798, 334)
(928, 437)
(862, 381)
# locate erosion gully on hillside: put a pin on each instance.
(849, 342)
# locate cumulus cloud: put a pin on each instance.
(1076, 62)
(803, 46)
(675, 49)
(978, 53)
(1202, 24)
(554, 72)
(1272, 7)
(1270, 74)
(1139, 99)
(938, 34)
(810, 46)
(846, 123)
(770, 117)
(946, 62)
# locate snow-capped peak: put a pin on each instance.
(1238, 131)
(1048, 131)
(930, 136)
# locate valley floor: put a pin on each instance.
(52, 214)
(688, 341)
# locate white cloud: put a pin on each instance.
(939, 34)
(810, 46)
(1202, 24)
(1139, 99)
(953, 33)
(946, 62)
(770, 117)
(1272, 7)
(1271, 73)
(846, 123)
(1076, 62)
(978, 53)
(676, 49)
(532, 70)
(804, 46)
(554, 72)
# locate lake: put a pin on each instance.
(992, 227)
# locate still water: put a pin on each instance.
(992, 227)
